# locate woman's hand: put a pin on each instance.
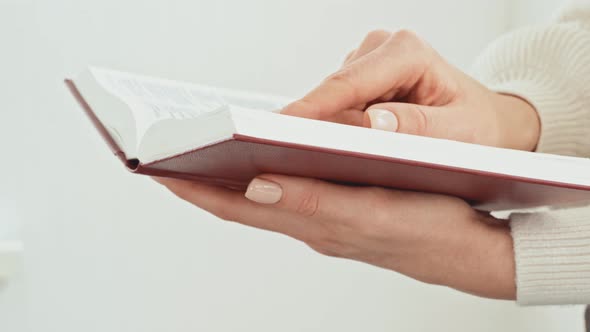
(411, 89)
(433, 238)
(392, 82)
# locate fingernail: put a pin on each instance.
(264, 192)
(382, 119)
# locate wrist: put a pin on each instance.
(519, 124)
(503, 266)
(488, 264)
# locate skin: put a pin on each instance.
(433, 238)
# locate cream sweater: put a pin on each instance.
(549, 66)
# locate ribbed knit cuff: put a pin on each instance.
(552, 253)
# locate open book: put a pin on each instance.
(184, 130)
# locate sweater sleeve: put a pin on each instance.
(549, 66)
(552, 255)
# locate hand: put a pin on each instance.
(411, 89)
(393, 82)
(433, 238)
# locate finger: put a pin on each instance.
(446, 122)
(396, 64)
(413, 119)
(373, 40)
(307, 197)
(231, 205)
(353, 117)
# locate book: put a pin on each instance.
(167, 128)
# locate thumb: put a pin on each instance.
(303, 196)
(410, 119)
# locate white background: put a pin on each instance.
(109, 251)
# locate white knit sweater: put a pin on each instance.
(549, 66)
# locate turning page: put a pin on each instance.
(152, 99)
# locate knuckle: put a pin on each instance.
(414, 43)
(420, 119)
(377, 35)
(344, 80)
(309, 203)
(405, 35)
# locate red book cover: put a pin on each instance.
(234, 162)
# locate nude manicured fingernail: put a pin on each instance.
(382, 119)
(263, 191)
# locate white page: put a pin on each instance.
(368, 141)
(152, 100)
